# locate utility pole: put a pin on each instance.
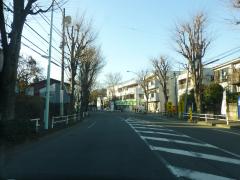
(46, 111)
(176, 91)
(62, 73)
(186, 92)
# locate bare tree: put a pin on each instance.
(143, 81)
(90, 65)
(161, 68)
(192, 44)
(28, 71)
(79, 36)
(113, 79)
(11, 44)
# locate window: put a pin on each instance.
(152, 95)
(141, 96)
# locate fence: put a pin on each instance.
(37, 125)
(207, 117)
(59, 119)
(64, 119)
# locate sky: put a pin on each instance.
(131, 32)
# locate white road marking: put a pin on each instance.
(162, 133)
(147, 128)
(148, 125)
(181, 172)
(177, 141)
(196, 154)
(91, 125)
(220, 149)
(196, 175)
(227, 132)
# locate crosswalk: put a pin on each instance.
(186, 157)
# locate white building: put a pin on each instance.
(156, 96)
(128, 95)
(182, 79)
(228, 75)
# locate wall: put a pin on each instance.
(232, 111)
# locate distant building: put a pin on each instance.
(228, 75)
(128, 95)
(156, 96)
(39, 89)
(182, 79)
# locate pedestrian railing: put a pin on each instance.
(37, 125)
(206, 117)
(64, 119)
(59, 119)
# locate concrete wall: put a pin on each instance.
(232, 111)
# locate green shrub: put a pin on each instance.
(212, 98)
(17, 130)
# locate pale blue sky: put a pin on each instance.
(133, 31)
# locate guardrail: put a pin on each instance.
(37, 125)
(207, 117)
(64, 119)
(59, 119)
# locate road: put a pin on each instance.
(120, 146)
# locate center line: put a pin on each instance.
(92, 124)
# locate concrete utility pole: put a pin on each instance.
(176, 91)
(186, 91)
(62, 73)
(46, 111)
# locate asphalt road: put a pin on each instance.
(102, 147)
(120, 146)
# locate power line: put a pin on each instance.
(36, 47)
(39, 53)
(47, 20)
(37, 33)
(223, 55)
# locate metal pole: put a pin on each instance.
(176, 92)
(62, 76)
(186, 91)
(46, 112)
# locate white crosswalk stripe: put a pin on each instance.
(162, 133)
(196, 154)
(146, 125)
(177, 141)
(149, 128)
(182, 172)
(148, 132)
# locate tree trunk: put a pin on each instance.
(165, 98)
(8, 75)
(72, 96)
(198, 100)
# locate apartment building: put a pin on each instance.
(128, 95)
(156, 96)
(228, 75)
(182, 79)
